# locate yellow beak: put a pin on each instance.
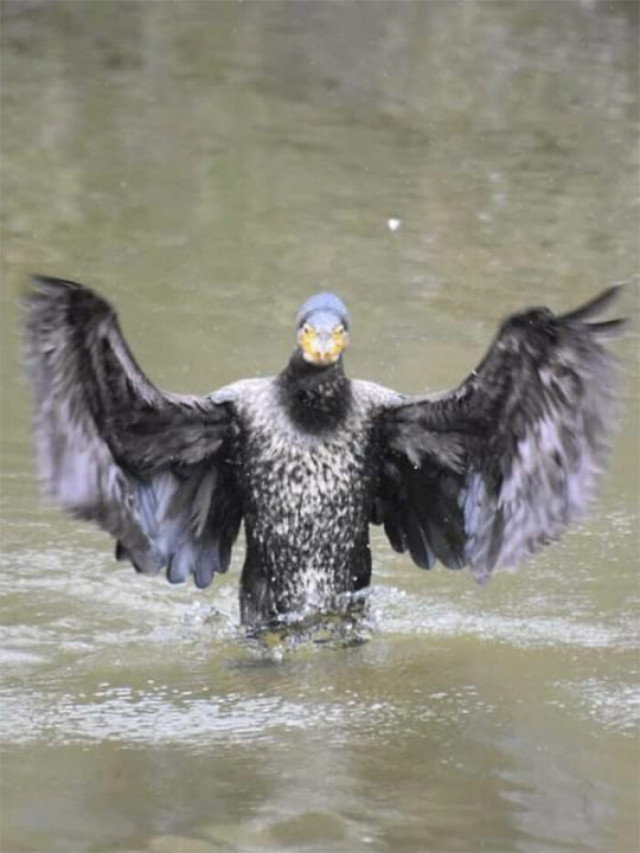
(322, 347)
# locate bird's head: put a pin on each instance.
(323, 329)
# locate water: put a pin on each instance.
(208, 166)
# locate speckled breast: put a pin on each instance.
(306, 496)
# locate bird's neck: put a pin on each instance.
(317, 399)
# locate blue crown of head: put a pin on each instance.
(324, 303)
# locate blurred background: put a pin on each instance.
(207, 166)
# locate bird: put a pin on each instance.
(480, 476)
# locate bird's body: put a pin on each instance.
(480, 476)
(318, 526)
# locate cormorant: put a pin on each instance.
(479, 476)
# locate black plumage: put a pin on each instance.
(480, 476)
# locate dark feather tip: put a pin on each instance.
(594, 306)
(609, 328)
(51, 284)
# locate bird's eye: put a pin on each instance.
(339, 330)
(307, 329)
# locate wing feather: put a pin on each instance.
(151, 468)
(502, 464)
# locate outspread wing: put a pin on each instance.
(487, 473)
(151, 468)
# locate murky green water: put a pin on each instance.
(208, 166)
